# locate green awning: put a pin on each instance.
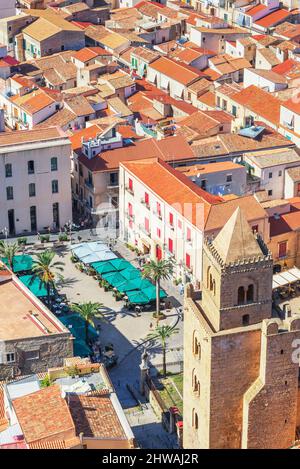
(131, 274)
(150, 292)
(21, 263)
(113, 278)
(36, 287)
(126, 286)
(137, 297)
(121, 264)
(81, 349)
(103, 267)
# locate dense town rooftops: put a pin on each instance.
(89, 53)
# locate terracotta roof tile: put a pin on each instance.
(44, 414)
(95, 416)
(255, 99)
(177, 71)
(273, 18)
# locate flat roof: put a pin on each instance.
(22, 316)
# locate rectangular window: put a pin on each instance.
(9, 193)
(229, 178)
(31, 190)
(188, 234)
(279, 173)
(130, 210)
(282, 249)
(171, 219)
(10, 358)
(170, 245)
(158, 209)
(54, 164)
(255, 228)
(113, 179)
(270, 175)
(270, 192)
(130, 184)
(146, 198)
(234, 111)
(158, 232)
(30, 167)
(8, 170)
(188, 261)
(54, 186)
(147, 225)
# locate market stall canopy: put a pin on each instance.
(150, 292)
(131, 273)
(21, 263)
(104, 267)
(122, 264)
(89, 253)
(285, 278)
(137, 297)
(36, 287)
(113, 279)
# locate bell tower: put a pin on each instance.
(240, 377)
(237, 276)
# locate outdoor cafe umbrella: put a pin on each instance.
(103, 267)
(21, 263)
(137, 297)
(36, 287)
(131, 273)
(126, 286)
(121, 264)
(150, 292)
(114, 278)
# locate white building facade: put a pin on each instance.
(35, 182)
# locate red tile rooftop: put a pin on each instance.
(44, 414)
(170, 149)
(273, 18)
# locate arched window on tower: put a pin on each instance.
(195, 420)
(250, 293)
(211, 283)
(241, 295)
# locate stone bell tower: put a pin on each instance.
(240, 381)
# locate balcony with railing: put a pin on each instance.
(145, 230)
(129, 189)
(146, 204)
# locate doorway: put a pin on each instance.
(11, 221)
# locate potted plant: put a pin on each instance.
(63, 237)
(22, 241)
(74, 259)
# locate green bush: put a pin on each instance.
(45, 382)
(22, 241)
(63, 237)
(45, 238)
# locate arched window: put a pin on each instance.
(211, 283)
(245, 319)
(196, 346)
(250, 293)
(208, 277)
(241, 295)
(214, 287)
(195, 420)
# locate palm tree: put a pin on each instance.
(157, 271)
(88, 311)
(47, 270)
(9, 250)
(163, 333)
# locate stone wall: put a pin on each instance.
(52, 351)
